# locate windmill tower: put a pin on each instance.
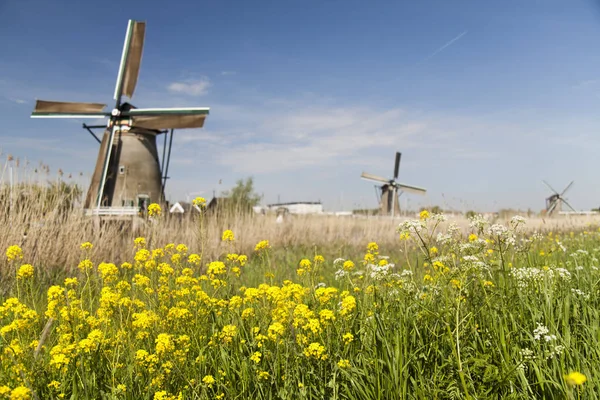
(555, 201)
(388, 203)
(128, 172)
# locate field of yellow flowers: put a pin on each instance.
(486, 313)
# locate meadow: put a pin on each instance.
(339, 308)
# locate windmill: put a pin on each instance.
(389, 190)
(555, 201)
(127, 172)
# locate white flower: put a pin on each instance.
(540, 331)
(516, 221)
(340, 273)
(439, 217)
(478, 222)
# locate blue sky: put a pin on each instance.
(483, 99)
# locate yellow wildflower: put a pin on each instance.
(575, 379)
(25, 271)
(348, 265)
(264, 375)
(209, 380)
(154, 210)
(262, 245)
(347, 338)
(316, 350)
(199, 202)
(228, 236)
(20, 393)
(256, 357)
(14, 252)
(423, 215)
(343, 363)
(139, 242)
(85, 265)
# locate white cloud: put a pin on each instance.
(226, 73)
(191, 87)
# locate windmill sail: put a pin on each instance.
(411, 189)
(168, 118)
(131, 59)
(63, 109)
(375, 178)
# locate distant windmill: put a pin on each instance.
(555, 201)
(128, 172)
(389, 204)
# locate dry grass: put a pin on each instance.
(52, 239)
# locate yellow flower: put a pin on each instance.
(199, 202)
(140, 242)
(433, 250)
(256, 357)
(315, 350)
(348, 265)
(20, 393)
(85, 265)
(372, 247)
(14, 252)
(347, 338)
(208, 380)
(25, 271)
(194, 259)
(262, 245)
(228, 236)
(343, 363)
(423, 215)
(262, 375)
(154, 210)
(488, 283)
(472, 237)
(305, 264)
(319, 259)
(575, 378)
(86, 246)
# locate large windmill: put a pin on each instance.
(555, 201)
(128, 172)
(388, 203)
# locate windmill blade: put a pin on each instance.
(168, 118)
(564, 201)
(551, 188)
(411, 189)
(397, 165)
(131, 59)
(567, 188)
(62, 109)
(375, 178)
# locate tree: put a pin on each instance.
(242, 197)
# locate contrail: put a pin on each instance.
(443, 47)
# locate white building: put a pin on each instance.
(298, 207)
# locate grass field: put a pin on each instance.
(335, 308)
(482, 312)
